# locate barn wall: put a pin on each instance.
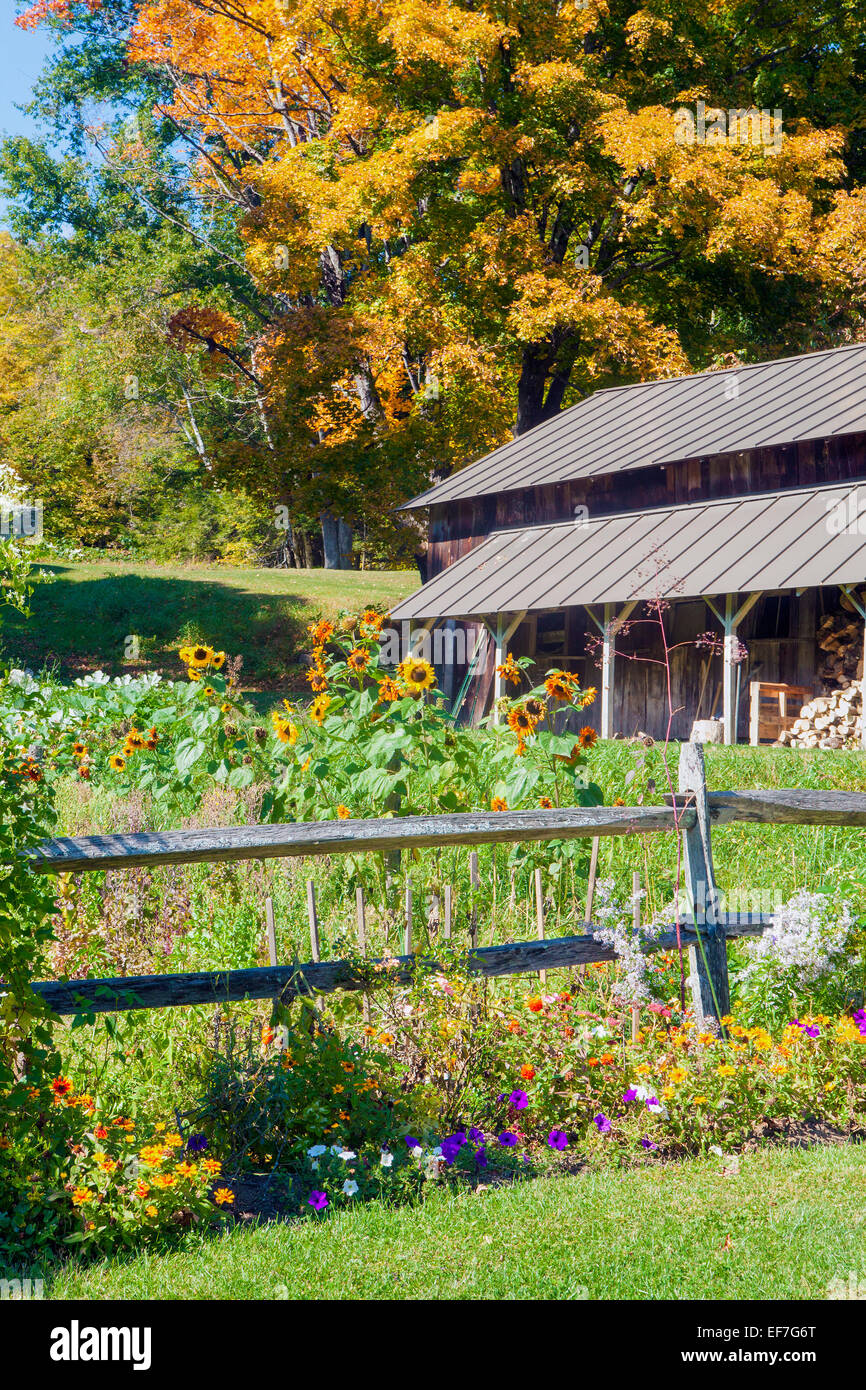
(456, 527)
(778, 634)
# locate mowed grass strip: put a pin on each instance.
(82, 617)
(784, 1227)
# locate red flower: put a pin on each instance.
(527, 1072)
(535, 1005)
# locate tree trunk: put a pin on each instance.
(533, 405)
(336, 541)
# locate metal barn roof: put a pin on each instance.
(781, 540)
(812, 396)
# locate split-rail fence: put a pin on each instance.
(691, 812)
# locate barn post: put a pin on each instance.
(608, 629)
(503, 634)
(730, 622)
(708, 959)
(846, 589)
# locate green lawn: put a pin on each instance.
(81, 620)
(783, 1227)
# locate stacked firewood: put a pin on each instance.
(828, 721)
(840, 637)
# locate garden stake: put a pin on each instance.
(590, 893)
(407, 932)
(635, 917)
(282, 1031)
(446, 928)
(539, 917)
(315, 952)
(475, 884)
(362, 944)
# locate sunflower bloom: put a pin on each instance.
(416, 675)
(319, 708)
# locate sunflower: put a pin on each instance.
(545, 803)
(319, 708)
(560, 685)
(135, 739)
(285, 730)
(185, 654)
(371, 620)
(201, 656)
(343, 812)
(317, 678)
(358, 660)
(520, 721)
(389, 690)
(193, 674)
(536, 709)
(321, 632)
(498, 803)
(416, 675)
(208, 690)
(84, 771)
(219, 660)
(79, 750)
(116, 763)
(509, 670)
(587, 738)
(587, 696)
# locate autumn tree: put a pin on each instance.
(460, 217)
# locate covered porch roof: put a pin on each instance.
(802, 538)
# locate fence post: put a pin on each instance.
(315, 950)
(474, 885)
(708, 959)
(539, 919)
(446, 929)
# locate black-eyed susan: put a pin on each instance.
(319, 708)
(343, 812)
(545, 803)
(498, 803)
(416, 675)
(116, 763)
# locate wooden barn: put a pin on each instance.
(737, 497)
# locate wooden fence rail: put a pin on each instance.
(692, 811)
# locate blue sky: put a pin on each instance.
(22, 52)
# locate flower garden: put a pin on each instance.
(126, 1130)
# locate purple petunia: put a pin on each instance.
(507, 1139)
(481, 1156)
(196, 1143)
(318, 1200)
(475, 1136)
(860, 1020)
(603, 1123)
(412, 1142)
(648, 1144)
(811, 1031)
(519, 1099)
(558, 1139)
(451, 1146)
(630, 1094)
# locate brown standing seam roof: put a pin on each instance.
(779, 540)
(813, 396)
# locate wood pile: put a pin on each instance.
(840, 637)
(828, 721)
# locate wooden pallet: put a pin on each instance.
(774, 708)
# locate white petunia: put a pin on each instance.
(350, 1187)
(317, 1150)
(386, 1159)
(417, 1151)
(346, 1154)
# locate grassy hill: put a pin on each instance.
(85, 611)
